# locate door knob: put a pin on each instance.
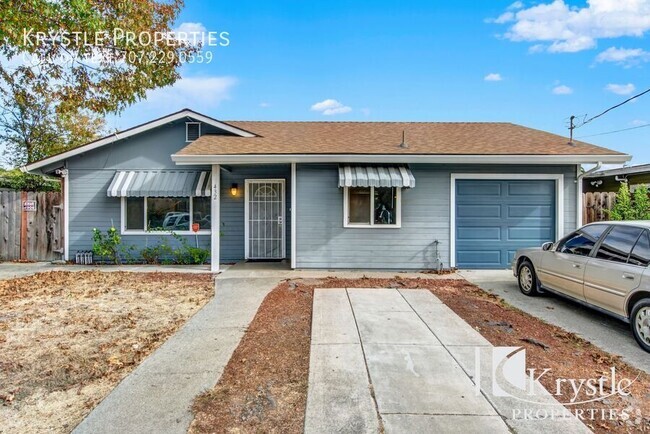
(576, 265)
(627, 276)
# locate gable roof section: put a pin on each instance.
(384, 138)
(115, 137)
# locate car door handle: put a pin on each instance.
(576, 265)
(627, 276)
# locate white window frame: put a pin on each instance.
(559, 200)
(125, 231)
(372, 225)
(187, 140)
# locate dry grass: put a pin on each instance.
(67, 338)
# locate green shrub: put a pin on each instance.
(627, 207)
(156, 254)
(107, 245)
(189, 255)
(17, 180)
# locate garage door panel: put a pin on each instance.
(472, 211)
(484, 189)
(489, 229)
(532, 188)
(480, 258)
(530, 211)
(529, 234)
(479, 233)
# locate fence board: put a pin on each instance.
(595, 206)
(44, 226)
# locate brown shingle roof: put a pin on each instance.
(433, 138)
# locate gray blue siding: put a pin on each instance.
(323, 242)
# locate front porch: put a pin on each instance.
(252, 216)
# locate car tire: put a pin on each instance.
(527, 279)
(640, 323)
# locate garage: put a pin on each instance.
(495, 217)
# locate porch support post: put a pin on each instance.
(215, 210)
(294, 208)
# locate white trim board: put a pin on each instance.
(559, 200)
(132, 132)
(283, 208)
(294, 218)
(398, 158)
(215, 237)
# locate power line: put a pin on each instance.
(615, 131)
(612, 108)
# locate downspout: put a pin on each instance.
(579, 191)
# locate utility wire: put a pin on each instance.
(612, 108)
(615, 131)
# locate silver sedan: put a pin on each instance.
(602, 265)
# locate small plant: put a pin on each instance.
(156, 254)
(188, 255)
(107, 245)
(128, 254)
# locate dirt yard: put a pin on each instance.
(68, 338)
(264, 386)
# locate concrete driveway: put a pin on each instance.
(603, 331)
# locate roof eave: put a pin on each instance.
(183, 159)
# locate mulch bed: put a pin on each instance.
(264, 386)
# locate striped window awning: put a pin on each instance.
(376, 176)
(160, 183)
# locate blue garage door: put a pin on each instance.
(494, 218)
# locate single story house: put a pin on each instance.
(609, 180)
(388, 195)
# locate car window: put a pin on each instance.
(577, 244)
(641, 253)
(594, 231)
(618, 243)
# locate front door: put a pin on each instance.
(264, 218)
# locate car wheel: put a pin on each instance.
(640, 323)
(527, 279)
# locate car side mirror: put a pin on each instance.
(547, 246)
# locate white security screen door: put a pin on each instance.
(264, 217)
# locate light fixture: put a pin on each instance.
(233, 189)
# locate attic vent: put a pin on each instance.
(192, 131)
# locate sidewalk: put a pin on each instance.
(157, 396)
(402, 360)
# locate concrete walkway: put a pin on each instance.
(156, 397)
(608, 333)
(402, 360)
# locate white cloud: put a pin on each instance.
(516, 5)
(190, 32)
(620, 89)
(330, 107)
(627, 57)
(562, 90)
(638, 123)
(493, 76)
(564, 28)
(265, 104)
(193, 92)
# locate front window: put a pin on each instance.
(577, 243)
(372, 207)
(171, 214)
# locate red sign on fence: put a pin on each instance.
(29, 205)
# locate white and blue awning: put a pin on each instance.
(160, 183)
(376, 176)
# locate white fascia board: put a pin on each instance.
(389, 158)
(132, 132)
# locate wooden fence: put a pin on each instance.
(27, 233)
(595, 206)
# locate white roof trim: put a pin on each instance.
(396, 159)
(132, 132)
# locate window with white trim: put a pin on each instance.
(165, 214)
(378, 207)
(192, 131)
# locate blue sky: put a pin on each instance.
(421, 61)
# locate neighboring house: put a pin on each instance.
(610, 180)
(392, 195)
